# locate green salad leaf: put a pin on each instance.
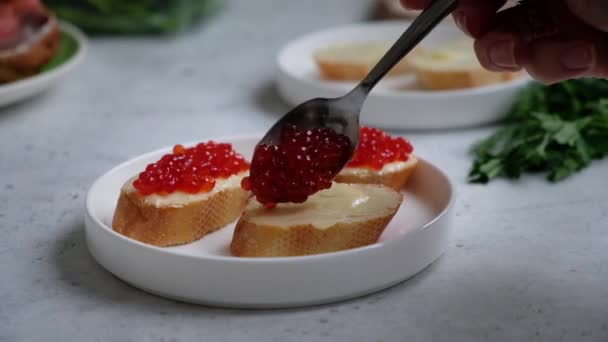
(67, 49)
(558, 130)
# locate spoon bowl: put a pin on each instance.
(339, 114)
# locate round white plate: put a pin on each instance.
(34, 85)
(391, 105)
(204, 271)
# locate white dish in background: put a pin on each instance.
(22, 89)
(204, 272)
(391, 106)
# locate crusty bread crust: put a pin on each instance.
(344, 71)
(461, 79)
(252, 240)
(345, 68)
(395, 180)
(168, 226)
(19, 65)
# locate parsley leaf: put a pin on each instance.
(557, 130)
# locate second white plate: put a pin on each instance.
(205, 272)
(391, 106)
(22, 89)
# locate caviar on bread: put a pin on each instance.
(342, 217)
(380, 159)
(183, 196)
(296, 210)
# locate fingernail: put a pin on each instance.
(578, 57)
(502, 54)
(461, 21)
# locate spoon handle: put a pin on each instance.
(420, 28)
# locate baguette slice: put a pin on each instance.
(32, 54)
(178, 218)
(342, 217)
(394, 175)
(455, 66)
(352, 61)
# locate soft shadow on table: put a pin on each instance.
(82, 276)
(28, 105)
(267, 99)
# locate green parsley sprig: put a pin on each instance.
(558, 130)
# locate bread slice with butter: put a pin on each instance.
(352, 61)
(178, 218)
(394, 175)
(454, 66)
(343, 217)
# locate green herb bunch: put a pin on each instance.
(557, 129)
(133, 16)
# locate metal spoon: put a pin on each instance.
(342, 114)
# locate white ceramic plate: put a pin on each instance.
(204, 271)
(391, 105)
(34, 85)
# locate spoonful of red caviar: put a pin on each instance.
(309, 145)
(303, 162)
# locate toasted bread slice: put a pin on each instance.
(31, 55)
(454, 66)
(178, 218)
(342, 217)
(352, 61)
(393, 175)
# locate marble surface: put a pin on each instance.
(528, 261)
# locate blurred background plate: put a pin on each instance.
(71, 51)
(393, 104)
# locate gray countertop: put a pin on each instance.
(528, 261)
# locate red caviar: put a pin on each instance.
(304, 161)
(246, 184)
(376, 149)
(191, 170)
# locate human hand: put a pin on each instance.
(576, 44)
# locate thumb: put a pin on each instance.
(593, 12)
